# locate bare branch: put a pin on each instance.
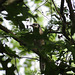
(29, 58)
(62, 7)
(72, 14)
(56, 8)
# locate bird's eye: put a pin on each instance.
(35, 24)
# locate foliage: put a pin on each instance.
(59, 36)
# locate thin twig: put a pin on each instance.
(28, 58)
(44, 15)
(55, 32)
(56, 9)
(40, 6)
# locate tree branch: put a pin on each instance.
(29, 58)
(12, 35)
(56, 9)
(55, 32)
(62, 6)
(72, 14)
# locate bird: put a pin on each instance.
(37, 30)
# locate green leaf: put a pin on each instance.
(9, 52)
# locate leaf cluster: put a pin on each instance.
(58, 55)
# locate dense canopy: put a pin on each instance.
(19, 40)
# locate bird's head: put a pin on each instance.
(37, 28)
(35, 25)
